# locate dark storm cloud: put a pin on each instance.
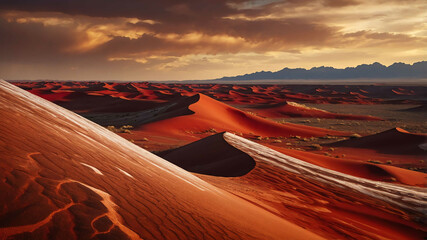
(206, 17)
(33, 41)
(160, 10)
(288, 30)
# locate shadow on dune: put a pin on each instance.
(211, 156)
(161, 111)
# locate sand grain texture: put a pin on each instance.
(47, 193)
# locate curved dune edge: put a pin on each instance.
(413, 199)
(118, 187)
(210, 113)
(215, 156)
(160, 112)
(211, 156)
(300, 192)
(291, 109)
(369, 171)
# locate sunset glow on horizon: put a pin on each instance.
(184, 40)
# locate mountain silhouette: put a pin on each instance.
(375, 70)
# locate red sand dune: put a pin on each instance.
(63, 177)
(393, 141)
(95, 101)
(291, 109)
(81, 102)
(208, 113)
(402, 91)
(334, 205)
(52, 96)
(377, 172)
(395, 147)
(245, 94)
(219, 158)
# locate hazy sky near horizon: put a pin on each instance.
(202, 39)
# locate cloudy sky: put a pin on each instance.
(202, 39)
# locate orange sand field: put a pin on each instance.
(223, 169)
(64, 177)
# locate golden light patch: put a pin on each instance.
(45, 21)
(137, 20)
(201, 38)
(111, 59)
(117, 30)
(93, 31)
(92, 40)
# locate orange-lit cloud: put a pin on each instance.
(161, 40)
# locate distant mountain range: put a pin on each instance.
(367, 71)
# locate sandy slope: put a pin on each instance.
(363, 169)
(408, 198)
(64, 177)
(207, 113)
(333, 204)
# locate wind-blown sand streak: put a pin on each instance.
(408, 198)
